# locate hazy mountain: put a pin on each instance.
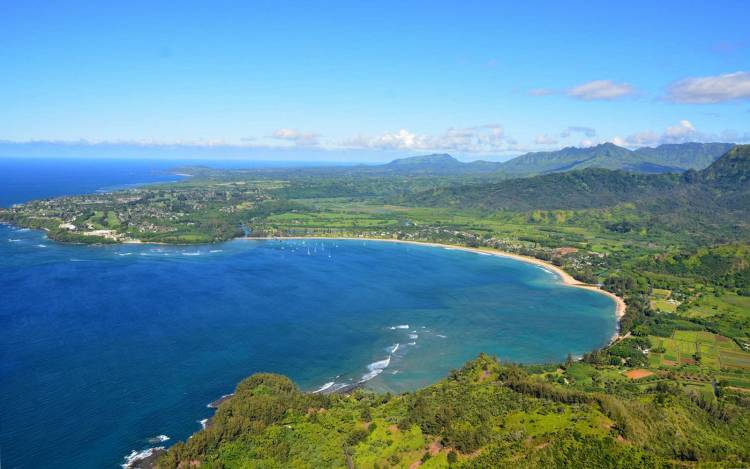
(723, 185)
(427, 161)
(671, 158)
(690, 155)
(437, 164)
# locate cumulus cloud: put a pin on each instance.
(601, 90)
(586, 142)
(401, 140)
(297, 137)
(587, 131)
(620, 142)
(478, 139)
(544, 139)
(683, 131)
(712, 89)
(642, 139)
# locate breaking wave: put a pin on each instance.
(326, 386)
(138, 456)
(158, 439)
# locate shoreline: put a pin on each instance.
(565, 277)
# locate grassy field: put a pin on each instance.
(661, 300)
(699, 348)
(727, 303)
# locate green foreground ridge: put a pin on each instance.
(485, 415)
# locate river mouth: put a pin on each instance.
(110, 346)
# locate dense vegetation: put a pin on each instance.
(662, 159)
(673, 390)
(485, 415)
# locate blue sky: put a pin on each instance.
(333, 80)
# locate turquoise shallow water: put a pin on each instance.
(105, 347)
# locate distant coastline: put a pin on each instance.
(566, 278)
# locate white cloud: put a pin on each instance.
(297, 137)
(620, 142)
(601, 90)
(479, 139)
(587, 131)
(401, 140)
(586, 142)
(544, 139)
(713, 89)
(642, 139)
(683, 131)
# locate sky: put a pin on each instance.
(368, 80)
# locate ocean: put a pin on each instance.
(105, 348)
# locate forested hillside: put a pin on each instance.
(589, 188)
(668, 158)
(713, 192)
(485, 415)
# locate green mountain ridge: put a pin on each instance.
(667, 158)
(597, 187)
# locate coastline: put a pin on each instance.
(565, 277)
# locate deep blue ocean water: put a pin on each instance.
(102, 348)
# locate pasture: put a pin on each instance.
(699, 348)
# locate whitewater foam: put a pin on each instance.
(393, 348)
(215, 404)
(370, 375)
(158, 439)
(379, 365)
(338, 386)
(402, 326)
(414, 336)
(137, 456)
(375, 368)
(324, 387)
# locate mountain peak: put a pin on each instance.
(609, 145)
(733, 167)
(432, 160)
